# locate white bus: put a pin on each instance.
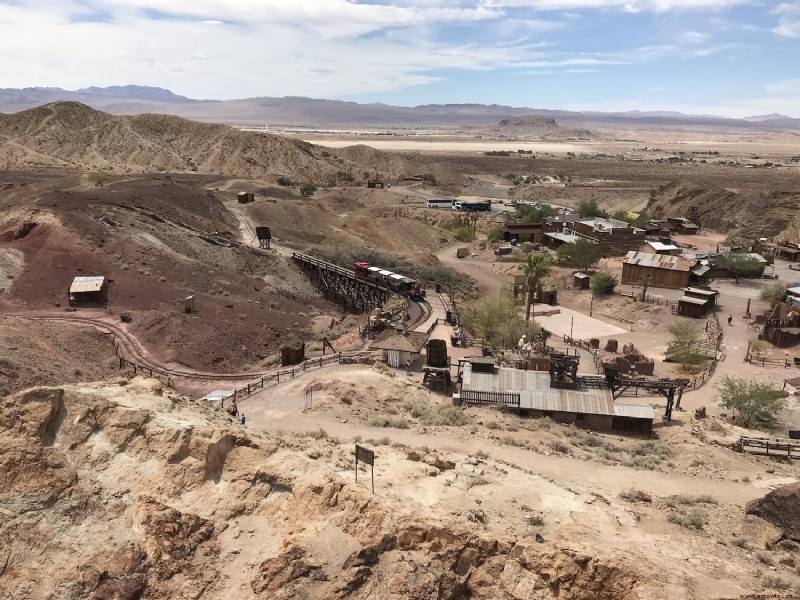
(457, 204)
(439, 203)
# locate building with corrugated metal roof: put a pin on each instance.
(88, 290)
(662, 270)
(590, 406)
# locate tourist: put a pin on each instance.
(243, 419)
(730, 319)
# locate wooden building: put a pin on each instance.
(788, 251)
(375, 184)
(581, 280)
(782, 328)
(697, 302)
(653, 247)
(399, 347)
(684, 226)
(614, 237)
(523, 232)
(663, 271)
(245, 197)
(533, 393)
(88, 291)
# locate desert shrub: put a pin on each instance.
(775, 583)
(686, 500)
(603, 283)
(696, 518)
(388, 421)
(765, 558)
(495, 233)
(430, 178)
(740, 542)
(346, 400)
(492, 425)
(285, 181)
(319, 434)
(634, 495)
(653, 449)
(512, 441)
(559, 447)
(774, 294)
(481, 455)
(476, 481)
(535, 521)
(444, 415)
(307, 189)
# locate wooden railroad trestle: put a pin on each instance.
(341, 285)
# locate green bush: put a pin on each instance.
(285, 181)
(774, 293)
(307, 189)
(603, 283)
(495, 233)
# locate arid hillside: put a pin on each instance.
(125, 490)
(746, 212)
(70, 135)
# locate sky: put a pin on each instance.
(732, 58)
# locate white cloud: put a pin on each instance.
(626, 5)
(784, 87)
(788, 20)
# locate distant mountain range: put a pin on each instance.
(310, 112)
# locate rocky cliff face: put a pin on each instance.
(125, 490)
(748, 214)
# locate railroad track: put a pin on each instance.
(131, 347)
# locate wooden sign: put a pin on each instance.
(367, 456)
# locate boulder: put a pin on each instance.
(759, 533)
(781, 507)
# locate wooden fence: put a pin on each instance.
(764, 361)
(775, 447)
(647, 298)
(483, 398)
(251, 387)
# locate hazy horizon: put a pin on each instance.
(729, 58)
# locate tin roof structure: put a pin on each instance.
(535, 391)
(661, 247)
(86, 284)
(636, 411)
(413, 341)
(658, 261)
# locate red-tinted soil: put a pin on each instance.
(146, 241)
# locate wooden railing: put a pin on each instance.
(774, 447)
(482, 398)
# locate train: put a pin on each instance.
(394, 281)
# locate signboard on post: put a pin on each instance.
(367, 456)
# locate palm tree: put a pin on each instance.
(536, 267)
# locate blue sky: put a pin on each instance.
(727, 57)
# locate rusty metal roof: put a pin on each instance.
(86, 284)
(658, 261)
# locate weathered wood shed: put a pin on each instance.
(663, 271)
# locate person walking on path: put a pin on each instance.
(730, 319)
(243, 419)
